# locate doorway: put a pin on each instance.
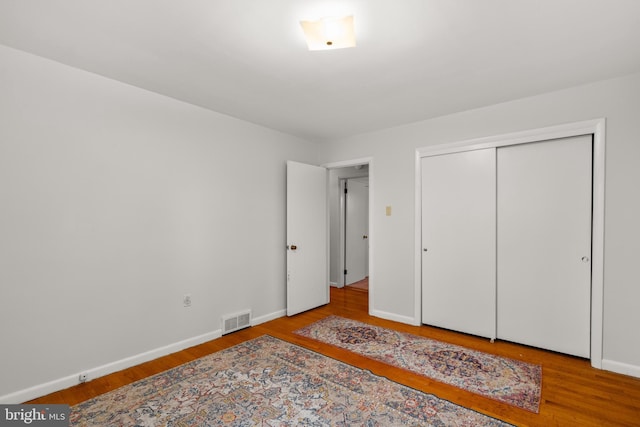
(354, 231)
(357, 175)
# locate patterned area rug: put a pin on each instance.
(267, 381)
(514, 382)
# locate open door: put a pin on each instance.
(307, 249)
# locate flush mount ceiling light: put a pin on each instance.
(329, 33)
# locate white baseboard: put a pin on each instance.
(97, 372)
(39, 390)
(621, 368)
(396, 318)
(100, 371)
(267, 317)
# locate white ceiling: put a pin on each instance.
(415, 59)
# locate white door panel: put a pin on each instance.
(307, 256)
(458, 239)
(544, 244)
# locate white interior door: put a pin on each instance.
(459, 241)
(544, 244)
(307, 253)
(356, 234)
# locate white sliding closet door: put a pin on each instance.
(459, 241)
(544, 244)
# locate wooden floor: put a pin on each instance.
(573, 393)
(360, 284)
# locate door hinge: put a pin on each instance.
(345, 271)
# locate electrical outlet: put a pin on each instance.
(83, 377)
(186, 300)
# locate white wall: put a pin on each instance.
(115, 202)
(393, 151)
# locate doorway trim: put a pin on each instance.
(594, 127)
(355, 162)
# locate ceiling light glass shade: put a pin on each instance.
(329, 33)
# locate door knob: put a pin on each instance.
(365, 237)
(585, 259)
(294, 247)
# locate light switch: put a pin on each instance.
(388, 210)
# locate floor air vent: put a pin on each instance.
(235, 322)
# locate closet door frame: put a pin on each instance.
(591, 127)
